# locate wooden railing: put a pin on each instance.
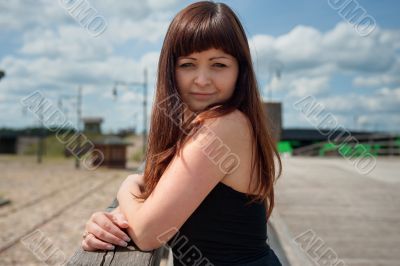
(130, 255)
(379, 145)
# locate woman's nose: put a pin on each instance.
(202, 78)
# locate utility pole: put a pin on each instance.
(78, 124)
(2, 74)
(144, 85)
(145, 111)
(41, 134)
(275, 68)
(78, 101)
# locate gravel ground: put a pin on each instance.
(50, 204)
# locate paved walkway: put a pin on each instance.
(325, 208)
(50, 204)
(329, 214)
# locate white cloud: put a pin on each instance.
(309, 86)
(388, 78)
(150, 29)
(351, 111)
(307, 48)
(73, 41)
(384, 100)
(69, 41)
(390, 92)
(57, 54)
(297, 86)
(20, 14)
(57, 76)
(312, 59)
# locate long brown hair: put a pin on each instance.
(198, 27)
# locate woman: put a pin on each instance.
(207, 188)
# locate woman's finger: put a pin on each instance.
(119, 219)
(103, 233)
(91, 243)
(106, 221)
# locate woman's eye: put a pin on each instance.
(186, 65)
(219, 65)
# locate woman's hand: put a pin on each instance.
(103, 231)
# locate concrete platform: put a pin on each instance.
(328, 213)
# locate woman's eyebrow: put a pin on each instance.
(219, 57)
(212, 58)
(186, 57)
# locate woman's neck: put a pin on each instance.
(187, 113)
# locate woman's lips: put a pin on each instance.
(202, 96)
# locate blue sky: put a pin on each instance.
(355, 78)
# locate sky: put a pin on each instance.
(343, 54)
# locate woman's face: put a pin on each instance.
(205, 78)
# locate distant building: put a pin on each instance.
(18, 141)
(113, 150)
(8, 142)
(273, 112)
(92, 125)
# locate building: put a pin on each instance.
(273, 112)
(113, 150)
(92, 125)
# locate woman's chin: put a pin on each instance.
(197, 108)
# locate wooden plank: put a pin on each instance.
(130, 255)
(121, 256)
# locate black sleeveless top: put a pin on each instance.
(223, 230)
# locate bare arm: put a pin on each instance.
(105, 229)
(140, 180)
(128, 205)
(188, 179)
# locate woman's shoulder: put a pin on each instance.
(240, 178)
(238, 116)
(233, 129)
(235, 120)
(237, 123)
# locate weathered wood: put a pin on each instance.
(130, 255)
(121, 256)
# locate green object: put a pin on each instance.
(362, 150)
(326, 148)
(375, 149)
(345, 150)
(284, 147)
(295, 143)
(397, 143)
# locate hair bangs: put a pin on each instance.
(205, 32)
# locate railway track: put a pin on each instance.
(36, 213)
